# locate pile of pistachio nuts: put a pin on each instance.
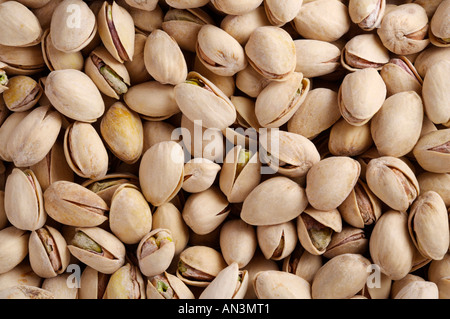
(230, 149)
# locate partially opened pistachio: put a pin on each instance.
(350, 240)
(400, 75)
(367, 14)
(25, 292)
(439, 33)
(72, 204)
(59, 60)
(432, 151)
(155, 252)
(125, 283)
(22, 61)
(302, 263)
(277, 241)
(435, 96)
(3, 79)
(92, 284)
(167, 286)
(364, 51)
(14, 247)
(199, 174)
(346, 139)
(48, 252)
(251, 82)
(238, 242)
(230, 283)
(274, 284)
(316, 58)
(98, 249)
(23, 93)
(235, 7)
(280, 13)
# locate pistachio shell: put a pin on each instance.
(59, 288)
(302, 263)
(251, 82)
(22, 274)
(238, 242)
(125, 283)
(349, 140)
(364, 50)
(229, 283)
(235, 7)
(429, 57)
(7, 129)
(25, 292)
(400, 75)
(419, 290)
(143, 5)
(23, 93)
(22, 61)
(273, 284)
(225, 83)
(367, 13)
(437, 182)
(92, 284)
(431, 151)
(439, 33)
(199, 175)
(59, 60)
(159, 258)
(281, 13)
(435, 96)
(157, 131)
(277, 241)
(179, 288)
(137, 73)
(14, 247)
(350, 240)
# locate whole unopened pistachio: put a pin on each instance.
(6, 129)
(349, 140)
(439, 27)
(155, 252)
(430, 56)
(400, 75)
(316, 58)
(435, 97)
(277, 241)
(167, 286)
(13, 247)
(235, 7)
(437, 182)
(419, 289)
(433, 150)
(364, 51)
(125, 283)
(230, 283)
(274, 284)
(23, 93)
(59, 60)
(350, 240)
(280, 13)
(199, 174)
(238, 242)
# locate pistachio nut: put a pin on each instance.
(6, 130)
(167, 286)
(72, 204)
(92, 284)
(325, 20)
(437, 182)
(130, 216)
(84, 151)
(390, 234)
(364, 51)
(358, 105)
(116, 30)
(330, 181)
(279, 194)
(199, 174)
(367, 14)
(404, 30)
(302, 263)
(199, 99)
(235, 7)
(340, 277)
(438, 32)
(394, 138)
(161, 172)
(315, 229)
(22, 274)
(238, 242)
(21, 28)
(225, 83)
(152, 100)
(137, 73)
(23, 93)
(350, 240)
(400, 75)
(435, 96)
(349, 140)
(155, 252)
(59, 60)
(428, 225)
(24, 203)
(22, 61)
(432, 151)
(251, 82)
(157, 131)
(125, 283)
(274, 284)
(59, 288)
(418, 289)
(14, 247)
(110, 76)
(240, 174)
(230, 283)
(25, 292)
(199, 265)
(48, 252)
(98, 249)
(122, 130)
(164, 59)
(277, 241)
(392, 181)
(361, 208)
(3, 79)
(74, 95)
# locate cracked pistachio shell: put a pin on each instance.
(199, 174)
(392, 181)
(315, 228)
(152, 100)
(291, 154)
(13, 247)
(279, 194)
(23, 93)
(120, 43)
(350, 240)
(22, 61)
(396, 127)
(20, 27)
(59, 60)
(277, 241)
(278, 101)
(358, 105)
(125, 283)
(428, 225)
(400, 75)
(70, 34)
(251, 82)
(439, 25)
(325, 20)
(271, 52)
(74, 95)
(436, 96)
(203, 212)
(25, 292)
(274, 284)
(84, 151)
(432, 151)
(330, 181)
(6, 130)
(24, 203)
(236, 7)
(361, 208)
(199, 265)
(179, 288)
(316, 58)
(99, 59)
(199, 99)
(155, 252)
(74, 205)
(35, 135)
(130, 216)
(238, 242)
(123, 132)
(164, 59)
(241, 173)
(390, 245)
(349, 140)
(92, 284)
(364, 51)
(404, 30)
(341, 277)
(437, 182)
(367, 14)
(161, 172)
(48, 252)
(318, 112)
(302, 263)
(22, 274)
(219, 51)
(280, 13)
(230, 283)
(112, 251)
